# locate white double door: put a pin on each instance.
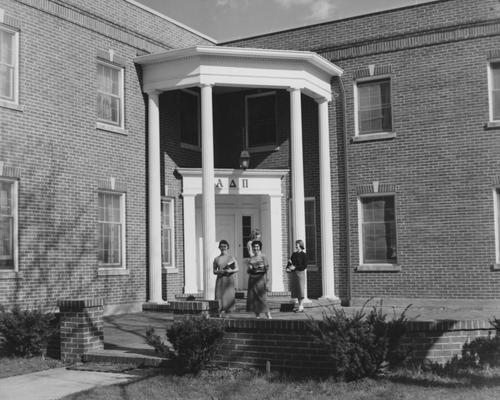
(235, 226)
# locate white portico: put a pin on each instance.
(208, 67)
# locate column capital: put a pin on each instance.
(153, 92)
(206, 84)
(294, 88)
(321, 100)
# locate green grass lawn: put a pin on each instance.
(246, 385)
(18, 366)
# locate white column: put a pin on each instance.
(275, 211)
(154, 198)
(190, 244)
(208, 190)
(327, 264)
(298, 207)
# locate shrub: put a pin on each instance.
(193, 342)
(26, 332)
(363, 344)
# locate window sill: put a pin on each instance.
(368, 137)
(379, 268)
(11, 105)
(170, 270)
(9, 274)
(263, 149)
(110, 128)
(112, 271)
(495, 267)
(190, 146)
(492, 125)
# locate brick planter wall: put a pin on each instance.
(82, 328)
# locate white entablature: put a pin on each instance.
(238, 67)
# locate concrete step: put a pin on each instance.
(123, 357)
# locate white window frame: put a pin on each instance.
(490, 90)
(109, 125)
(359, 136)
(191, 146)
(15, 226)
(170, 200)
(309, 264)
(122, 265)
(269, 147)
(14, 101)
(388, 267)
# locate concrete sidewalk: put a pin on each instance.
(56, 383)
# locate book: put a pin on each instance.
(231, 265)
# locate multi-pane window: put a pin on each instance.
(190, 117)
(310, 216)
(374, 106)
(495, 91)
(7, 224)
(167, 233)
(110, 94)
(246, 233)
(261, 119)
(8, 64)
(497, 223)
(111, 236)
(378, 229)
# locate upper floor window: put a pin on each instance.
(190, 118)
(8, 224)
(494, 85)
(260, 119)
(8, 65)
(167, 233)
(110, 97)
(111, 225)
(378, 230)
(373, 106)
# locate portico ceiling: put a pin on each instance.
(238, 67)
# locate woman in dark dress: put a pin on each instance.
(225, 266)
(297, 265)
(257, 281)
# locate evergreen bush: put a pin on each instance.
(192, 343)
(26, 332)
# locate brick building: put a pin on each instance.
(373, 137)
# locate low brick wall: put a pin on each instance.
(288, 346)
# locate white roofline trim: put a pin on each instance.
(175, 22)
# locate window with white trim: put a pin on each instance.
(9, 62)
(110, 94)
(378, 229)
(260, 120)
(496, 200)
(167, 233)
(8, 224)
(190, 118)
(494, 90)
(310, 221)
(111, 229)
(373, 106)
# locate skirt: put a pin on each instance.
(257, 293)
(224, 292)
(298, 283)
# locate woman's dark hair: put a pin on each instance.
(300, 243)
(223, 241)
(257, 242)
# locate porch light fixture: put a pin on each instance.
(244, 159)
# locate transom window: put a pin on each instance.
(261, 119)
(8, 64)
(110, 94)
(111, 236)
(190, 118)
(167, 233)
(494, 91)
(378, 230)
(8, 225)
(374, 109)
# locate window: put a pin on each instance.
(167, 233)
(190, 118)
(310, 208)
(374, 114)
(246, 233)
(8, 225)
(494, 84)
(111, 222)
(8, 65)
(378, 230)
(110, 107)
(496, 200)
(261, 119)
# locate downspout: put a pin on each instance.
(346, 169)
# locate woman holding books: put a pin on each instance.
(257, 281)
(225, 266)
(296, 266)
